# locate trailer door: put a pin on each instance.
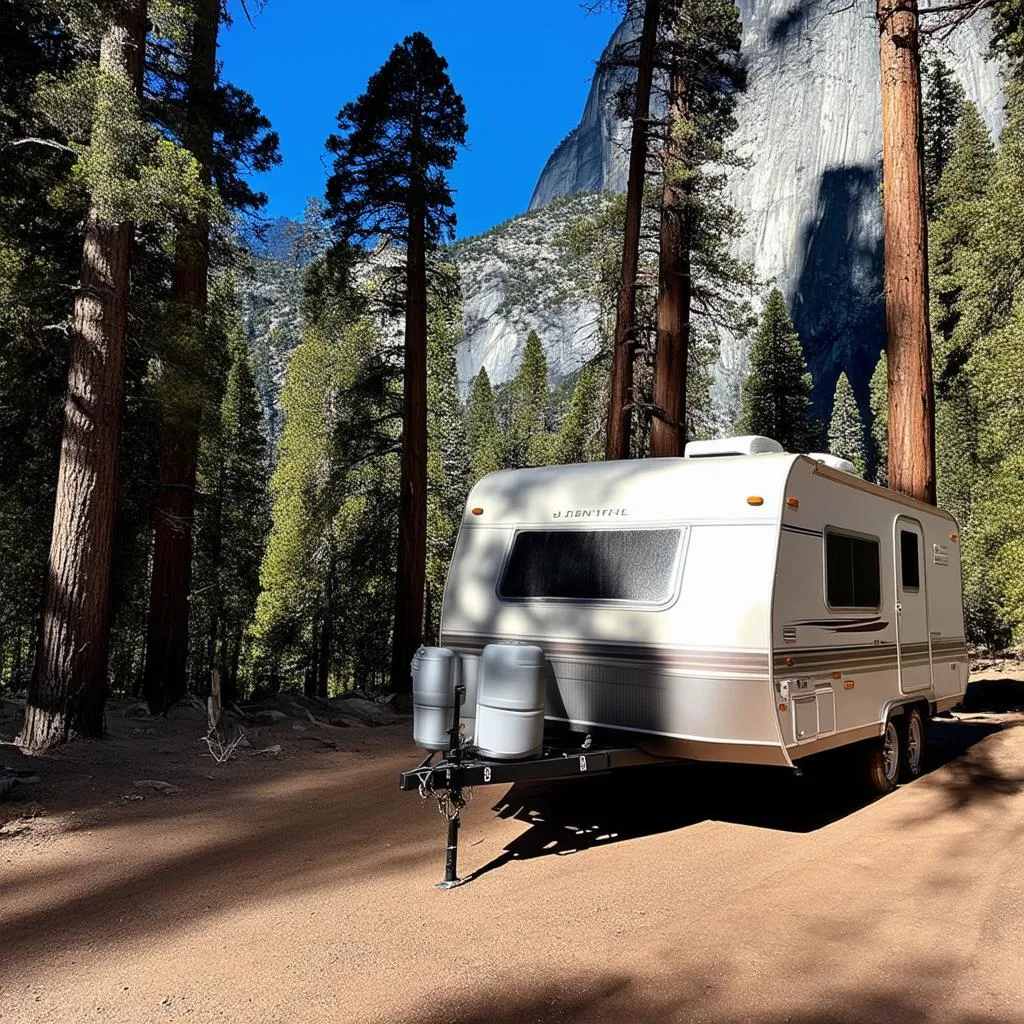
(912, 637)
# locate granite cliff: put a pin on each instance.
(810, 125)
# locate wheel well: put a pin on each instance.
(894, 710)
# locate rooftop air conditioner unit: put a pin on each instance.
(834, 461)
(750, 444)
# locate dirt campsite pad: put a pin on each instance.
(298, 885)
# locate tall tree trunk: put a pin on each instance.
(668, 426)
(68, 688)
(233, 657)
(412, 527)
(620, 387)
(908, 332)
(164, 679)
(312, 669)
(324, 656)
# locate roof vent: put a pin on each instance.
(749, 444)
(834, 462)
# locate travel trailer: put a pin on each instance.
(740, 604)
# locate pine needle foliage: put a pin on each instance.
(942, 105)
(777, 392)
(394, 145)
(846, 429)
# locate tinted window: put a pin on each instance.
(592, 565)
(910, 569)
(851, 571)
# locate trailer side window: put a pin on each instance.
(910, 568)
(852, 574)
(592, 565)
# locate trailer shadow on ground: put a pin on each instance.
(581, 814)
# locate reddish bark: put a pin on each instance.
(68, 689)
(668, 427)
(620, 387)
(412, 527)
(164, 679)
(908, 331)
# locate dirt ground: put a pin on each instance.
(300, 888)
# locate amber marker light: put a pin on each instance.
(953, 536)
(477, 511)
(789, 662)
(782, 706)
(837, 675)
(755, 500)
(848, 685)
(793, 502)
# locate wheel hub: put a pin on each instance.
(890, 752)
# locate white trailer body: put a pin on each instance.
(751, 608)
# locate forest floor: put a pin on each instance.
(299, 887)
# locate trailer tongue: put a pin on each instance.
(461, 769)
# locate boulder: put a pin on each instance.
(157, 784)
(364, 711)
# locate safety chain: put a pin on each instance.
(449, 805)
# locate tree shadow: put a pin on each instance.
(999, 695)
(687, 995)
(583, 814)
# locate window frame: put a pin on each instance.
(675, 577)
(841, 531)
(918, 553)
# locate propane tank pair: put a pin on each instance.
(506, 718)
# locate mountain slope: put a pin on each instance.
(810, 124)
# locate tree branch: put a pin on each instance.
(39, 142)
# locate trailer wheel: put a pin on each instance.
(879, 760)
(912, 743)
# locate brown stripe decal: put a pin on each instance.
(706, 662)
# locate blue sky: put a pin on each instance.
(523, 69)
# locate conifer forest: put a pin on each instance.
(235, 455)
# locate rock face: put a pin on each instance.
(810, 124)
(515, 279)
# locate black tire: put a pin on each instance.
(878, 760)
(912, 744)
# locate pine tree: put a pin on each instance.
(447, 454)
(879, 400)
(984, 467)
(620, 388)
(907, 327)
(528, 439)
(941, 108)
(297, 566)
(697, 222)
(40, 258)
(960, 199)
(579, 435)
(994, 553)
(68, 689)
(388, 184)
(222, 130)
(777, 393)
(952, 239)
(243, 513)
(482, 431)
(846, 429)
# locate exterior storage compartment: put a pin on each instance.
(433, 697)
(510, 701)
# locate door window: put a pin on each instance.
(910, 564)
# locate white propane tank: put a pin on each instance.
(510, 702)
(433, 697)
